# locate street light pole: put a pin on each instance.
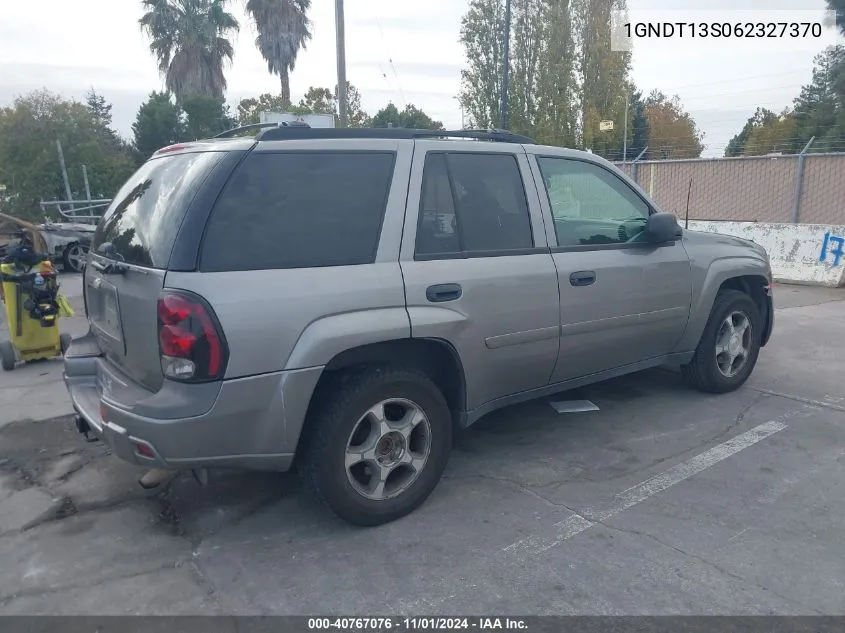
(625, 137)
(506, 67)
(341, 63)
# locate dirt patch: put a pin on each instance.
(53, 456)
(32, 450)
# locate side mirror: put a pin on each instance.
(662, 227)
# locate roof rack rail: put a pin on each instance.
(278, 133)
(260, 126)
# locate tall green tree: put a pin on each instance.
(101, 112)
(409, 117)
(530, 26)
(604, 76)
(736, 145)
(564, 77)
(818, 113)
(29, 163)
(100, 108)
(820, 107)
(159, 122)
(190, 41)
(558, 86)
(482, 27)
(205, 117)
(283, 29)
(777, 134)
(765, 132)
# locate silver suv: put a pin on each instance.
(342, 300)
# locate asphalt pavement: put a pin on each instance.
(664, 501)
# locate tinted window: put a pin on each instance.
(590, 204)
(472, 203)
(299, 210)
(438, 230)
(140, 225)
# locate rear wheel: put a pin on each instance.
(377, 445)
(65, 341)
(728, 349)
(8, 358)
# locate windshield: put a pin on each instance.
(141, 223)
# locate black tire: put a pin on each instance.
(8, 358)
(70, 257)
(702, 372)
(65, 340)
(341, 404)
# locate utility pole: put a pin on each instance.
(506, 67)
(64, 174)
(87, 185)
(342, 106)
(461, 106)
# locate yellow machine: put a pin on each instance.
(29, 291)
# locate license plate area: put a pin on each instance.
(104, 310)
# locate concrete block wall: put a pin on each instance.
(800, 253)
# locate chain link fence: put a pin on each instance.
(808, 188)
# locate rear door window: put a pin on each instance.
(299, 210)
(472, 203)
(141, 224)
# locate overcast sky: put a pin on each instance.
(70, 46)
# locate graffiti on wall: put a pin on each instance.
(832, 246)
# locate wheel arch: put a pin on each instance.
(745, 274)
(437, 358)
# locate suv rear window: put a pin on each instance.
(142, 221)
(299, 210)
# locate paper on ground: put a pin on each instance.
(573, 406)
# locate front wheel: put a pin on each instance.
(377, 445)
(728, 349)
(8, 357)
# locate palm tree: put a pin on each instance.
(189, 38)
(283, 28)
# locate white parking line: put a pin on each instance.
(575, 524)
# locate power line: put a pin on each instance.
(722, 81)
(390, 60)
(737, 92)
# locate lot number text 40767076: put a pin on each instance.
(424, 623)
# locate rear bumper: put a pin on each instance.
(252, 423)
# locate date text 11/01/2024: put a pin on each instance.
(432, 623)
(724, 29)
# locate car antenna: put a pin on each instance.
(686, 217)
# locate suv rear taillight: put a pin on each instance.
(190, 340)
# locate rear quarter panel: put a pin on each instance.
(297, 318)
(292, 319)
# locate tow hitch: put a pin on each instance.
(83, 427)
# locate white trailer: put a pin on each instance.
(313, 120)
